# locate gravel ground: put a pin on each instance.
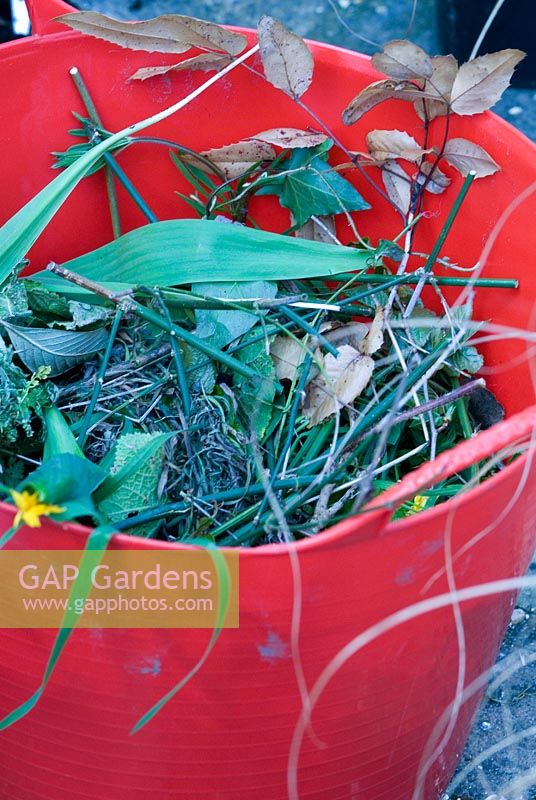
(511, 708)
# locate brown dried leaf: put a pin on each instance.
(397, 185)
(290, 137)
(170, 33)
(234, 159)
(352, 333)
(374, 338)
(288, 355)
(466, 156)
(444, 71)
(319, 229)
(437, 183)
(376, 93)
(206, 62)
(348, 375)
(481, 82)
(387, 145)
(403, 60)
(287, 61)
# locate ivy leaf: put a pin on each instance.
(467, 156)
(480, 83)
(314, 188)
(205, 62)
(287, 61)
(403, 60)
(59, 350)
(169, 33)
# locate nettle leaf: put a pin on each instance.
(288, 63)
(223, 327)
(403, 60)
(45, 303)
(444, 71)
(397, 185)
(376, 93)
(137, 489)
(437, 182)
(141, 450)
(387, 145)
(314, 188)
(205, 62)
(13, 299)
(83, 315)
(235, 159)
(59, 350)
(480, 83)
(466, 156)
(169, 33)
(290, 137)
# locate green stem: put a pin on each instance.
(415, 277)
(111, 164)
(449, 222)
(192, 340)
(94, 116)
(310, 329)
(179, 363)
(162, 511)
(99, 379)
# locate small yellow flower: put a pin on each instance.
(419, 504)
(31, 508)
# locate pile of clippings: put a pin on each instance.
(201, 379)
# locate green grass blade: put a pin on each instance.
(96, 544)
(223, 604)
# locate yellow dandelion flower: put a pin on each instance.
(31, 508)
(419, 504)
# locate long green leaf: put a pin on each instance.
(190, 251)
(224, 591)
(95, 547)
(19, 233)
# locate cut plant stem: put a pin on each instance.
(310, 329)
(419, 275)
(130, 305)
(440, 242)
(99, 380)
(179, 363)
(94, 116)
